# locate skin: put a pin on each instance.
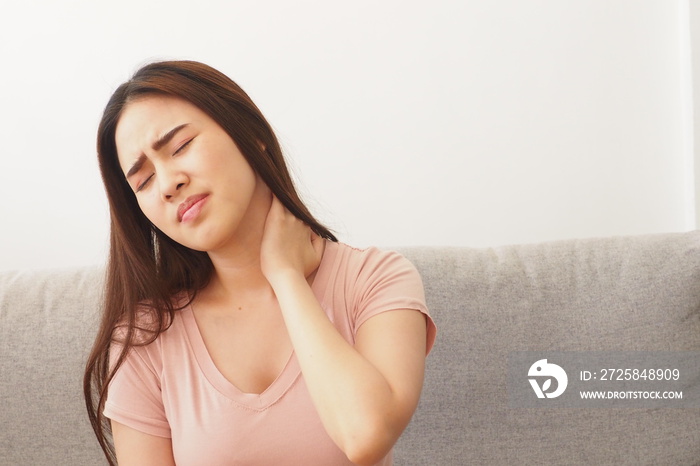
(264, 261)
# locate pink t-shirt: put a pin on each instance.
(171, 387)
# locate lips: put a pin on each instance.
(190, 207)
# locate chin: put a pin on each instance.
(208, 242)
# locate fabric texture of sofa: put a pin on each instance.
(635, 293)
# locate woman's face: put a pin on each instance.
(190, 179)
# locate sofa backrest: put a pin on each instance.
(631, 293)
(48, 320)
(638, 293)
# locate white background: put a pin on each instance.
(466, 123)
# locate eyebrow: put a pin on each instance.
(156, 146)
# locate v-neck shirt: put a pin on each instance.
(172, 388)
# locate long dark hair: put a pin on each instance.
(146, 269)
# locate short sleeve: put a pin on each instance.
(134, 396)
(388, 281)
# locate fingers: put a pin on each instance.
(288, 243)
(278, 210)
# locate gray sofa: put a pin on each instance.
(609, 294)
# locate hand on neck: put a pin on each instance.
(237, 265)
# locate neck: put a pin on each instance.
(237, 270)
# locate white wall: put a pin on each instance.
(447, 122)
(694, 33)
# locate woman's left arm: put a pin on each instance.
(365, 394)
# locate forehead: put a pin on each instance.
(146, 119)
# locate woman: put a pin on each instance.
(236, 329)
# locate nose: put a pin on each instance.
(170, 181)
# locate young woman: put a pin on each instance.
(236, 328)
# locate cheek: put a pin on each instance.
(241, 175)
(148, 205)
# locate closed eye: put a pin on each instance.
(179, 149)
(143, 185)
(147, 180)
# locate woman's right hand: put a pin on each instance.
(288, 245)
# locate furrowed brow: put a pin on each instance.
(136, 166)
(160, 143)
(156, 146)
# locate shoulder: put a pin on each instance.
(370, 262)
(139, 328)
(146, 322)
(376, 280)
(148, 346)
(373, 275)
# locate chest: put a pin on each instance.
(249, 347)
